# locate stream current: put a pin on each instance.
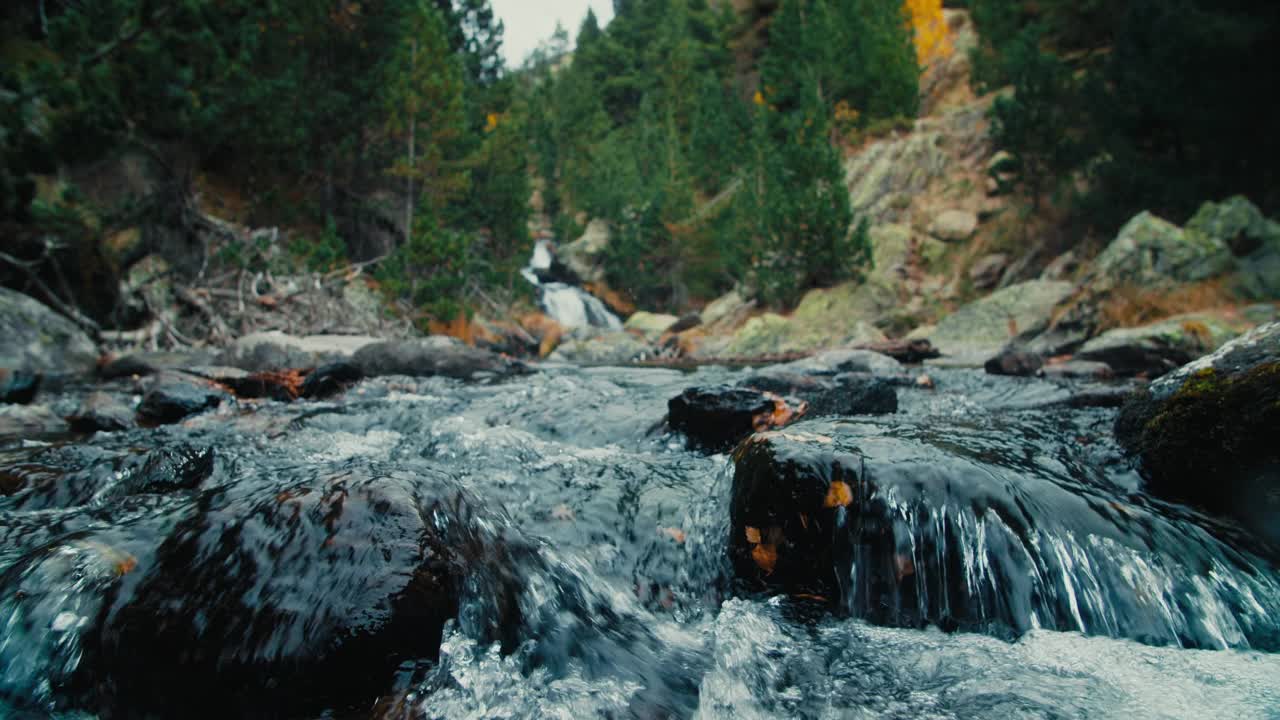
(627, 605)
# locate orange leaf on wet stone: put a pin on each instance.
(839, 495)
(765, 556)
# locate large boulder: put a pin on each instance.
(430, 356)
(37, 339)
(1206, 433)
(981, 329)
(173, 397)
(616, 348)
(650, 325)
(1152, 253)
(265, 351)
(585, 256)
(954, 225)
(1251, 237)
(282, 601)
(996, 525)
(1156, 348)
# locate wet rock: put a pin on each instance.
(987, 271)
(954, 225)
(282, 385)
(331, 379)
(173, 397)
(1206, 434)
(281, 602)
(29, 421)
(18, 386)
(1159, 347)
(650, 325)
(981, 329)
(847, 394)
(618, 348)
(992, 526)
(1014, 362)
(100, 412)
(834, 362)
(1078, 369)
(149, 363)
(428, 357)
(906, 350)
(717, 418)
(34, 338)
(267, 351)
(170, 469)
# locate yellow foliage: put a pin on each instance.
(929, 30)
(491, 122)
(758, 98)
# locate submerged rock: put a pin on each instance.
(37, 339)
(1159, 347)
(273, 602)
(991, 526)
(844, 395)
(1207, 433)
(174, 397)
(717, 418)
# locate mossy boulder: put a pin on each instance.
(1251, 237)
(1206, 434)
(36, 339)
(1152, 252)
(980, 330)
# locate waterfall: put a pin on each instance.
(569, 305)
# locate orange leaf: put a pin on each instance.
(753, 535)
(674, 533)
(766, 557)
(838, 495)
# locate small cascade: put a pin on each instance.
(569, 305)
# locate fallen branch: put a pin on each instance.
(50, 296)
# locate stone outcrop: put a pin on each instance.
(1206, 433)
(981, 329)
(36, 339)
(1156, 348)
(585, 256)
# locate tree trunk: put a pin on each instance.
(413, 126)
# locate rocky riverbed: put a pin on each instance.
(422, 530)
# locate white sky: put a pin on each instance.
(529, 22)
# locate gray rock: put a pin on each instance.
(617, 348)
(1078, 369)
(18, 386)
(650, 325)
(150, 363)
(885, 176)
(1019, 363)
(726, 311)
(1251, 237)
(987, 271)
(833, 362)
(37, 339)
(954, 225)
(259, 352)
(585, 256)
(29, 421)
(430, 356)
(1061, 267)
(173, 397)
(1159, 347)
(981, 329)
(1259, 345)
(100, 412)
(1153, 253)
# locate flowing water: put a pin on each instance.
(1088, 599)
(569, 305)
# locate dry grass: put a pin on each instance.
(1131, 305)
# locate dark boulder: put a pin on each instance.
(174, 397)
(716, 418)
(1207, 433)
(846, 394)
(1020, 363)
(331, 379)
(988, 525)
(426, 357)
(168, 469)
(286, 600)
(100, 412)
(18, 386)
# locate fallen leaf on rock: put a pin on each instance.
(766, 557)
(753, 535)
(838, 495)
